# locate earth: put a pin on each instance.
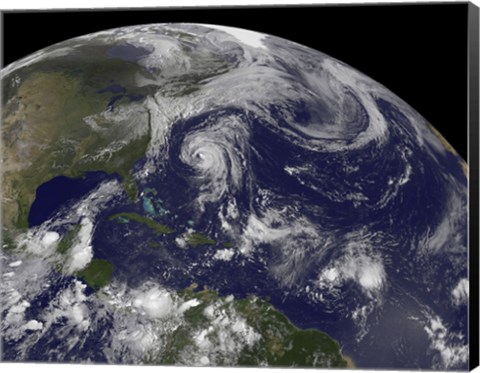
(189, 194)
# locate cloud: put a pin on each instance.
(453, 353)
(49, 238)
(364, 269)
(33, 325)
(187, 305)
(225, 254)
(222, 338)
(460, 292)
(260, 230)
(141, 319)
(247, 37)
(155, 303)
(81, 252)
(217, 154)
(71, 305)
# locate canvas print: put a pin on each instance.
(205, 195)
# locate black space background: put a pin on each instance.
(418, 51)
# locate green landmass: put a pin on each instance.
(54, 122)
(281, 343)
(67, 240)
(154, 244)
(150, 223)
(44, 133)
(8, 243)
(97, 274)
(228, 244)
(196, 239)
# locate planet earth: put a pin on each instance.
(188, 194)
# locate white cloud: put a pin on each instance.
(141, 318)
(204, 360)
(222, 338)
(81, 252)
(71, 304)
(366, 270)
(16, 313)
(453, 352)
(70, 311)
(224, 254)
(187, 305)
(17, 288)
(460, 292)
(371, 275)
(449, 235)
(33, 325)
(360, 317)
(155, 303)
(217, 154)
(250, 38)
(259, 230)
(49, 238)
(181, 242)
(271, 227)
(68, 307)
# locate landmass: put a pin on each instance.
(196, 239)
(277, 341)
(150, 223)
(97, 274)
(54, 123)
(68, 239)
